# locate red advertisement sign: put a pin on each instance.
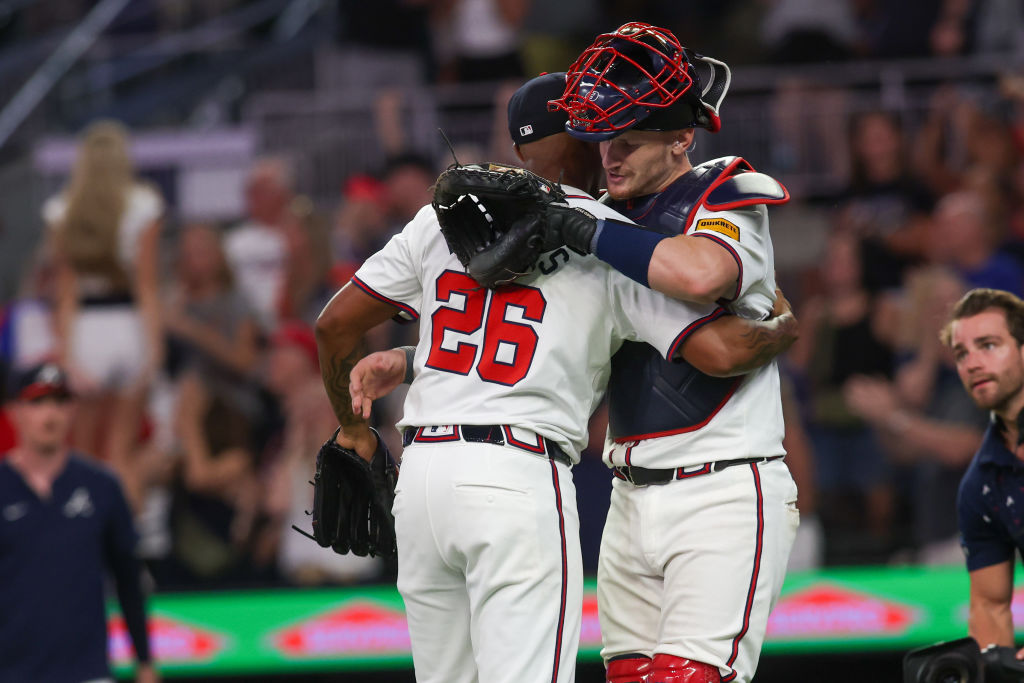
(590, 632)
(824, 611)
(355, 628)
(171, 641)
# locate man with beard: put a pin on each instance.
(986, 335)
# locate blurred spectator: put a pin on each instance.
(293, 376)
(808, 550)
(556, 33)
(807, 120)
(846, 333)
(965, 237)
(307, 284)
(26, 322)
(105, 226)
(931, 423)
(257, 248)
(883, 204)
(215, 493)
(408, 179)
(895, 30)
(386, 41)
(1015, 218)
(65, 521)
(959, 136)
(212, 330)
(361, 225)
(809, 31)
(479, 40)
(998, 26)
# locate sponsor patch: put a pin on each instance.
(719, 225)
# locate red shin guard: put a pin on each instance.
(669, 669)
(628, 669)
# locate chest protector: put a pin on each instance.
(648, 395)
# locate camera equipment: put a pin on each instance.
(962, 661)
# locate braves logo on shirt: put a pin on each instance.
(15, 511)
(79, 504)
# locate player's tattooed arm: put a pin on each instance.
(340, 331)
(337, 372)
(733, 345)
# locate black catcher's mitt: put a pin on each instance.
(493, 218)
(352, 500)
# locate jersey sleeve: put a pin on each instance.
(983, 540)
(642, 314)
(744, 234)
(393, 274)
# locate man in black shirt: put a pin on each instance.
(63, 519)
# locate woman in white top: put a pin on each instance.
(105, 226)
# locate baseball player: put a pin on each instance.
(703, 510)
(485, 513)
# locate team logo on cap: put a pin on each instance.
(526, 130)
(49, 374)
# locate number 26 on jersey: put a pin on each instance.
(508, 344)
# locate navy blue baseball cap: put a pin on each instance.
(529, 117)
(44, 380)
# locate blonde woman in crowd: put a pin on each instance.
(105, 228)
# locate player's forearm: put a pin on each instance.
(990, 623)
(340, 332)
(732, 345)
(692, 269)
(683, 267)
(339, 350)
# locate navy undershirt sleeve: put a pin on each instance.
(626, 247)
(121, 542)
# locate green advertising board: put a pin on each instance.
(281, 631)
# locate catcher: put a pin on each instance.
(489, 561)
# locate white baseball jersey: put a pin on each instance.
(691, 568)
(749, 422)
(533, 354)
(490, 568)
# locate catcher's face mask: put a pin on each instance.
(641, 77)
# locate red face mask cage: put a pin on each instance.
(659, 75)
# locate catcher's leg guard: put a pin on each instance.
(670, 669)
(631, 668)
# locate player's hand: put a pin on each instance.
(375, 375)
(359, 438)
(781, 306)
(146, 673)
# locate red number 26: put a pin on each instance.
(508, 346)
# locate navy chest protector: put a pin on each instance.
(649, 396)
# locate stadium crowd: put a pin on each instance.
(190, 344)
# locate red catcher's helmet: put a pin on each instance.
(641, 77)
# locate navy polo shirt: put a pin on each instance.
(53, 553)
(990, 504)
